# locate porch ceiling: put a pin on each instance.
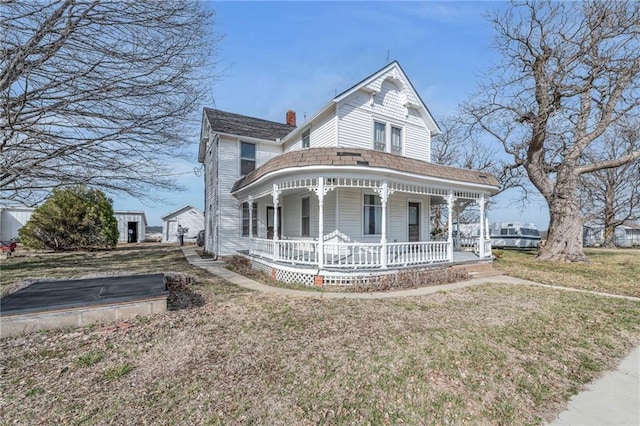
(364, 158)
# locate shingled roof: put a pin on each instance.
(242, 125)
(340, 157)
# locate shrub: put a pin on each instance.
(71, 219)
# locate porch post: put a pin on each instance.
(250, 203)
(275, 194)
(450, 201)
(384, 195)
(320, 194)
(481, 236)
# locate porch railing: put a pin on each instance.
(262, 247)
(298, 251)
(352, 255)
(400, 254)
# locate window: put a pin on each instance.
(245, 219)
(396, 140)
(306, 138)
(305, 217)
(372, 215)
(247, 158)
(379, 136)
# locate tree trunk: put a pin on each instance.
(609, 218)
(564, 238)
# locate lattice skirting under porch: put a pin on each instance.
(284, 275)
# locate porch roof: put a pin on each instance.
(341, 157)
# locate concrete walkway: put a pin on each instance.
(614, 399)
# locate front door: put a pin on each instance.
(270, 222)
(414, 221)
(132, 232)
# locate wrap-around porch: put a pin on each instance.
(373, 225)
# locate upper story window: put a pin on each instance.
(247, 157)
(379, 136)
(396, 140)
(387, 137)
(306, 138)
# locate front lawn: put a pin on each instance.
(615, 271)
(492, 354)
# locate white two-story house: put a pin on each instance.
(348, 193)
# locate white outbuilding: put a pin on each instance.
(132, 226)
(189, 217)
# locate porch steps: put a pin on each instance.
(479, 270)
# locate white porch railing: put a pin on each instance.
(360, 255)
(352, 255)
(262, 247)
(400, 254)
(298, 251)
(291, 251)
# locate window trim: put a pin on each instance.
(366, 234)
(384, 135)
(254, 217)
(255, 147)
(303, 217)
(391, 146)
(306, 134)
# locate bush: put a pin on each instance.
(412, 278)
(71, 219)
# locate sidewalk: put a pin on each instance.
(614, 399)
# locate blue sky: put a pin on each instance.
(276, 56)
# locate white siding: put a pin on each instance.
(357, 113)
(191, 219)
(230, 238)
(211, 196)
(322, 133)
(397, 213)
(11, 220)
(350, 215)
(124, 218)
(355, 123)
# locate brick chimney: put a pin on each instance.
(291, 118)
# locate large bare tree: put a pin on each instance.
(611, 197)
(101, 93)
(569, 71)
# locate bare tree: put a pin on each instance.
(101, 93)
(611, 197)
(570, 70)
(457, 147)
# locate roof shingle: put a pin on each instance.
(242, 125)
(365, 158)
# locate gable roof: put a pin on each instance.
(341, 157)
(433, 125)
(242, 125)
(181, 210)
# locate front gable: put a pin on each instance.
(390, 92)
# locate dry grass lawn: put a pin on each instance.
(493, 354)
(615, 271)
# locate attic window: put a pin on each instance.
(349, 154)
(306, 138)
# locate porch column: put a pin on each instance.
(275, 195)
(384, 195)
(450, 201)
(250, 203)
(481, 203)
(320, 193)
